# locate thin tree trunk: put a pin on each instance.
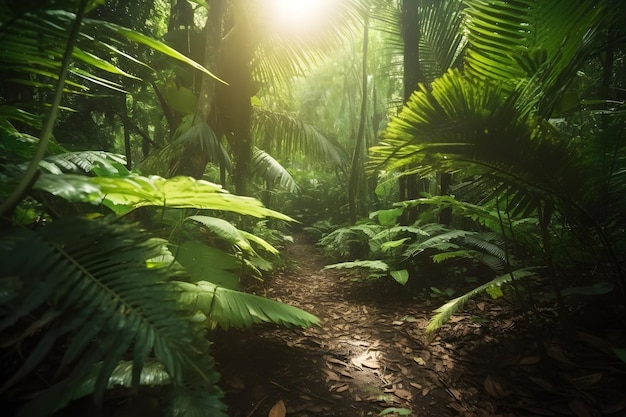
(412, 76)
(357, 157)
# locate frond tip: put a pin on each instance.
(443, 313)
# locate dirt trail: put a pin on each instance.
(367, 355)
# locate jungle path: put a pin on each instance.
(368, 354)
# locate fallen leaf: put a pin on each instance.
(494, 388)
(331, 376)
(278, 410)
(579, 408)
(455, 393)
(419, 360)
(371, 363)
(404, 394)
(342, 388)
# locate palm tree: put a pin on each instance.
(243, 49)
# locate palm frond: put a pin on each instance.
(442, 40)
(440, 241)
(31, 42)
(192, 142)
(82, 162)
(443, 313)
(266, 167)
(93, 282)
(152, 374)
(280, 134)
(230, 308)
(285, 53)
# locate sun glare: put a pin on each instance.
(300, 15)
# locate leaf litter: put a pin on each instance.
(370, 356)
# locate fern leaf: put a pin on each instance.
(443, 313)
(82, 162)
(94, 280)
(444, 256)
(230, 308)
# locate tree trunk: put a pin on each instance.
(412, 77)
(357, 157)
(235, 109)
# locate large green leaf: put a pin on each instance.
(206, 263)
(124, 194)
(229, 308)
(224, 230)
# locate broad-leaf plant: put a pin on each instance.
(110, 279)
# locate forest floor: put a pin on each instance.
(370, 355)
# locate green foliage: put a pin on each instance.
(229, 308)
(123, 194)
(92, 304)
(25, 34)
(443, 313)
(376, 265)
(521, 176)
(90, 280)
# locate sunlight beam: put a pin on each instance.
(299, 15)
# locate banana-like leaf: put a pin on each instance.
(401, 276)
(229, 308)
(124, 194)
(260, 241)
(367, 264)
(443, 313)
(224, 230)
(90, 281)
(207, 263)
